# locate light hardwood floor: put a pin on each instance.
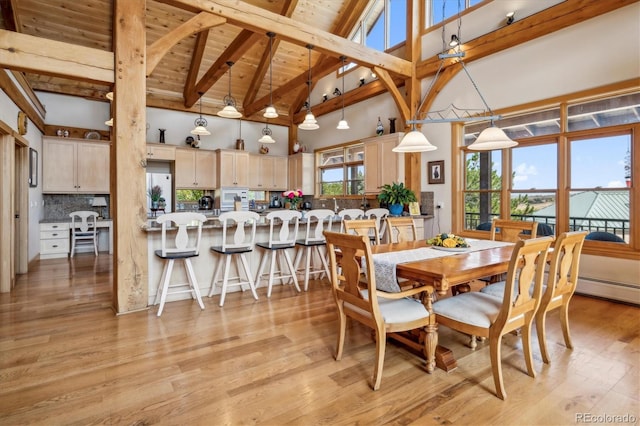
(65, 358)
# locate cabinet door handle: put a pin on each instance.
(54, 246)
(55, 235)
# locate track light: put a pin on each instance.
(337, 92)
(325, 97)
(362, 82)
(454, 41)
(510, 18)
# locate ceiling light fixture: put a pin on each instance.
(200, 123)
(229, 110)
(325, 97)
(310, 122)
(362, 82)
(511, 16)
(266, 135)
(342, 124)
(270, 112)
(337, 92)
(489, 139)
(454, 41)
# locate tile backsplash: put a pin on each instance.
(58, 206)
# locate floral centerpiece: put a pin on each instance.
(293, 197)
(448, 241)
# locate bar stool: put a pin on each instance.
(235, 244)
(280, 240)
(84, 230)
(349, 214)
(380, 215)
(183, 248)
(313, 240)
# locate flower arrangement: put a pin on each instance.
(448, 240)
(293, 196)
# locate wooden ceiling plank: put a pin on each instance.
(398, 97)
(194, 65)
(252, 91)
(243, 42)
(8, 16)
(259, 20)
(35, 54)
(202, 21)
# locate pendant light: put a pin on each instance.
(310, 122)
(200, 123)
(414, 141)
(342, 124)
(270, 112)
(229, 110)
(266, 135)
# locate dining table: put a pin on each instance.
(441, 269)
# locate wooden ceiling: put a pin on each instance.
(196, 63)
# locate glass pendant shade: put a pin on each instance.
(201, 131)
(229, 111)
(270, 112)
(266, 136)
(200, 123)
(414, 141)
(343, 125)
(309, 123)
(492, 138)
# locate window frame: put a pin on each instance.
(345, 165)
(563, 191)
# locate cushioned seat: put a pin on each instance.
(603, 236)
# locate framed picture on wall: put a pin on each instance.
(435, 170)
(33, 168)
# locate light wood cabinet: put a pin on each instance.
(75, 166)
(301, 173)
(195, 169)
(268, 173)
(381, 164)
(161, 152)
(233, 168)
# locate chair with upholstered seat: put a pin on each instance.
(349, 214)
(365, 227)
(383, 312)
(401, 229)
(310, 246)
(380, 215)
(513, 230)
(480, 314)
(184, 246)
(236, 243)
(84, 230)
(281, 239)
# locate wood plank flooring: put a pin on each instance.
(66, 359)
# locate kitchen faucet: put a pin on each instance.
(335, 206)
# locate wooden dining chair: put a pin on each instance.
(84, 230)
(380, 215)
(513, 230)
(383, 312)
(401, 229)
(480, 314)
(364, 227)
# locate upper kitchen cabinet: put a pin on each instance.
(195, 169)
(233, 168)
(161, 152)
(381, 164)
(74, 166)
(301, 173)
(268, 173)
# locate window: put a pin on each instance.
(440, 10)
(341, 170)
(576, 179)
(383, 26)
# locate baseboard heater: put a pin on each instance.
(628, 293)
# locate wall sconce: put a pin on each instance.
(325, 97)
(373, 75)
(454, 41)
(510, 18)
(337, 92)
(362, 82)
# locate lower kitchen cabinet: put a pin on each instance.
(54, 240)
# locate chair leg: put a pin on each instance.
(307, 266)
(292, 270)
(495, 352)
(381, 346)
(161, 283)
(95, 245)
(193, 283)
(564, 322)
(541, 320)
(323, 259)
(225, 278)
(342, 329)
(247, 271)
(263, 262)
(272, 269)
(216, 274)
(73, 246)
(165, 286)
(526, 347)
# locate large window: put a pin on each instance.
(441, 10)
(383, 26)
(572, 173)
(341, 170)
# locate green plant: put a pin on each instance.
(396, 193)
(155, 193)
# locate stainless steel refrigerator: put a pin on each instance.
(163, 180)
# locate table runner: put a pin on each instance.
(384, 264)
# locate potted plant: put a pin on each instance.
(155, 193)
(396, 195)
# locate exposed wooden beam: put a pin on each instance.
(202, 21)
(555, 18)
(260, 21)
(194, 65)
(12, 91)
(28, 90)
(8, 17)
(398, 97)
(243, 42)
(36, 54)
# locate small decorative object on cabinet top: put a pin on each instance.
(162, 135)
(22, 123)
(392, 125)
(240, 144)
(379, 128)
(264, 150)
(296, 147)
